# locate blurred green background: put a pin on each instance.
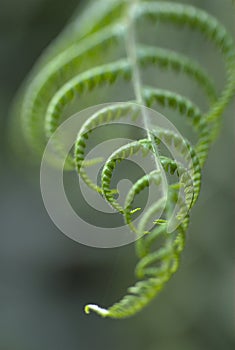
(46, 278)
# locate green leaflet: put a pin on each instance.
(74, 65)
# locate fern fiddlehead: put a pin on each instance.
(75, 65)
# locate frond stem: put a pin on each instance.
(132, 54)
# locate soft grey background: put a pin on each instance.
(47, 278)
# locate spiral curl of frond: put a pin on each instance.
(74, 65)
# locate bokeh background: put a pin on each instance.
(46, 278)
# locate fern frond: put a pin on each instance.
(98, 52)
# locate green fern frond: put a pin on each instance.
(96, 49)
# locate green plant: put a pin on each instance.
(74, 65)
